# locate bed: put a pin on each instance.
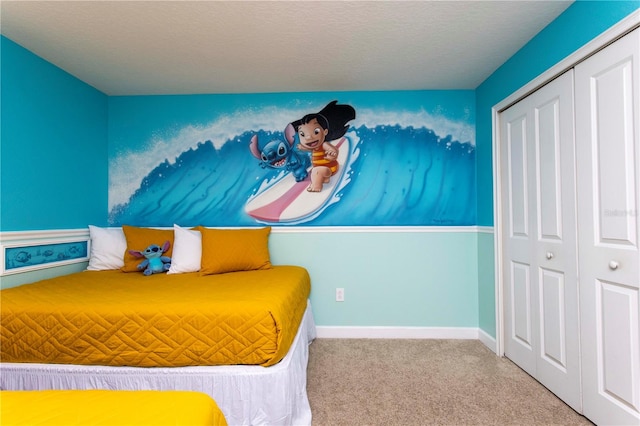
(241, 336)
(116, 318)
(246, 394)
(100, 407)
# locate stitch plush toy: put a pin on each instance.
(154, 261)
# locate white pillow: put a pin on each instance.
(187, 251)
(107, 248)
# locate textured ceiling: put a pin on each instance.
(184, 47)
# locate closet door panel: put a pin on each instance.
(521, 307)
(518, 182)
(553, 316)
(611, 92)
(608, 156)
(539, 239)
(521, 338)
(617, 308)
(549, 181)
(555, 240)
(550, 216)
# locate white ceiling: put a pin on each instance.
(185, 47)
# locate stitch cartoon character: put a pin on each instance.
(315, 132)
(278, 154)
(154, 261)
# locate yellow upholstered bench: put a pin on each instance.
(108, 408)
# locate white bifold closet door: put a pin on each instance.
(608, 171)
(539, 243)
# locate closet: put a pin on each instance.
(569, 182)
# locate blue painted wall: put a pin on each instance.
(53, 150)
(580, 23)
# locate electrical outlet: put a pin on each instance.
(339, 294)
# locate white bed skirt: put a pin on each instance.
(247, 395)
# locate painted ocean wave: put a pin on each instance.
(130, 164)
(402, 176)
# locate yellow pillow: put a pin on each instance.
(231, 250)
(139, 239)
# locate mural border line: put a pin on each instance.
(383, 229)
(35, 237)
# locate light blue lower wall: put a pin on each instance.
(412, 278)
(486, 283)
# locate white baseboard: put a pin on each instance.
(488, 340)
(345, 332)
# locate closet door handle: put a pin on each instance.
(549, 255)
(613, 265)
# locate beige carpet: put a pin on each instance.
(425, 382)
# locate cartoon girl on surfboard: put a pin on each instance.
(315, 131)
(304, 193)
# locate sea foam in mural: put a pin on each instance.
(391, 169)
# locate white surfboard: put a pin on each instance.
(288, 201)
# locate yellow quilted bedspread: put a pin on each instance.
(116, 318)
(101, 407)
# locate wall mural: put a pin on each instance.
(327, 163)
